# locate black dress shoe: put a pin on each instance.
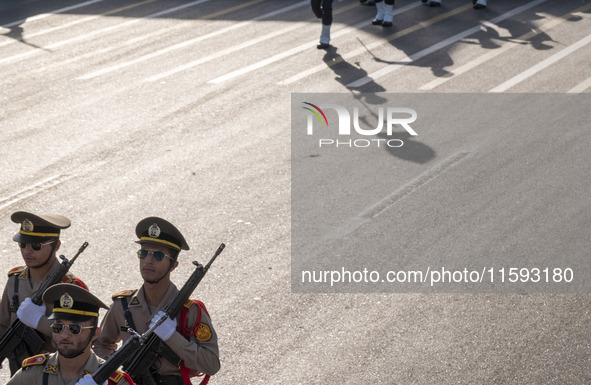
(387, 24)
(377, 22)
(323, 46)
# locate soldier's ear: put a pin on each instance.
(174, 265)
(97, 331)
(57, 246)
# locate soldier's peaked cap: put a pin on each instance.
(71, 302)
(158, 231)
(38, 228)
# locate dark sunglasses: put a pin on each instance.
(158, 255)
(57, 328)
(34, 246)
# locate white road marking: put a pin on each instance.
(282, 55)
(189, 42)
(33, 190)
(371, 46)
(582, 87)
(507, 46)
(50, 13)
(74, 22)
(442, 44)
(99, 31)
(542, 65)
(386, 203)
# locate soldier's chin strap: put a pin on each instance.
(172, 261)
(53, 247)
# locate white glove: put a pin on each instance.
(87, 380)
(29, 313)
(166, 328)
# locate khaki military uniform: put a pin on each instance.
(35, 368)
(26, 288)
(199, 353)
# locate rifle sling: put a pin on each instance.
(15, 304)
(127, 313)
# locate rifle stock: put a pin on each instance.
(137, 367)
(18, 332)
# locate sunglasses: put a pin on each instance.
(34, 246)
(57, 328)
(158, 255)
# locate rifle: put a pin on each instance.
(19, 332)
(137, 367)
(122, 354)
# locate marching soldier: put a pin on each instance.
(323, 10)
(384, 13)
(74, 328)
(38, 239)
(190, 338)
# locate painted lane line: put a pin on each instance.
(34, 189)
(375, 44)
(50, 13)
(197, 62)
(129, 42)
(101, 31)
(582, 87)
(191, 41)
(78, 21)
(288, 53)
(389, 201)
(494, 53)
(542, 65)
(442, 44)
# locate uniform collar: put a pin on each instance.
(52, 364)
(139, 298)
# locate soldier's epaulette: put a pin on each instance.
(39, 359)
(124, 293)
(116, 377)
(16, 270)
(189, 303)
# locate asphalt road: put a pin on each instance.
(113, 111)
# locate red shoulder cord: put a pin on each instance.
(186, 332)
(129, 380)
(75, 281)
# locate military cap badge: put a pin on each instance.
(28, 225)
(66, 301)
(154, 231)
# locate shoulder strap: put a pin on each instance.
(16, 270)
(15, 302)
(39, 359)
(127, 313)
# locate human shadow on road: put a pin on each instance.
(416, 48)
(412, 150)
(345, 70)
(15, 31)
